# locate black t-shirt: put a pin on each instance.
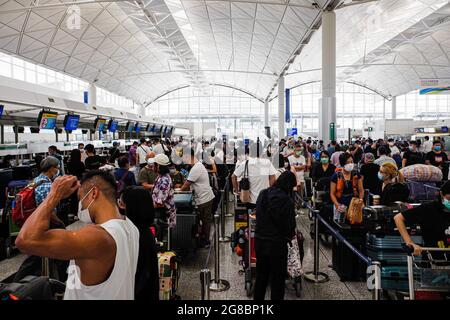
(358, 155)
(114, 154)
(434, 223)
(370, 173)
(93, 162)
(437, 159)
(347, 193)
(413, 157)
(317, 171)
(369, 149)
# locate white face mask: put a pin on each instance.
(349, 167)
(83, 214)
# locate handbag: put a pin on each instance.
(354, 211)
(244, 186)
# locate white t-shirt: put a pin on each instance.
(394, 150)
(427, 146)
(142, 152)
(198, 176)
(259, 171)
(121, 281)
(300, 161)
(158, 149)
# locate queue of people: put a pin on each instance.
(120, 205)
(113, 255)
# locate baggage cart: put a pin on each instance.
(429, 278)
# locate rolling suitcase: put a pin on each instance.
(388, 249)
(183, 202)
(169, 275)
(394, 278)
(346, 264)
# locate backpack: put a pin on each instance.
(121, 185)
(393, 192)
(340, 185)
(25, 203)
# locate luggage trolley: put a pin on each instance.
(429, 278)
(11, 229)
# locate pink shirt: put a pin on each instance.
(335, 158)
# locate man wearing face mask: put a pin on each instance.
(438, 158)
(33, 263)
(103, 254)
(412, 156)
(433, 219)
(49, 172)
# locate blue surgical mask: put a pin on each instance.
(380, 176)
(446, 204)
(437, 148)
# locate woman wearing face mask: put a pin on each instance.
(393, 186)
(438, 158)
(163, 190)
(433, 219)
(322, 168)
(345, 184)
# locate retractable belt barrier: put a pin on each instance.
(373, 269)
(216, 284)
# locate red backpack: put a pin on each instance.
(25, 203)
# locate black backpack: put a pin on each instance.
(393, 192)
(31, 288)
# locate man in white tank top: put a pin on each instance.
(103, 254)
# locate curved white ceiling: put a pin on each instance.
(141, 49)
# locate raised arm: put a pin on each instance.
(35, 237)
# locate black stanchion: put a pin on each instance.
(217, 284)
(205, 280)
(316, 276)
(223, 237)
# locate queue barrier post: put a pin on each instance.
(223, 237)
(217, 284)
(377, 290)
(316, 276)
(205, 280)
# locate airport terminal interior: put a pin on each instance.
(224, 150)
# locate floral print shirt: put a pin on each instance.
(163, 195)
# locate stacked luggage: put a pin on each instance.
(422, 182)
(384, 244)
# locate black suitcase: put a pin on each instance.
(346, 264)
(379, 219)
(183, 202)
(184, 235)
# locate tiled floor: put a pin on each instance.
(190, 288)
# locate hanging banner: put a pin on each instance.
(434, 86)
(288, 105)
(85, 97)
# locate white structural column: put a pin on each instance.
(92, 95)
(281, 107)
(394, 108)
(327, 105)
(266, 118)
